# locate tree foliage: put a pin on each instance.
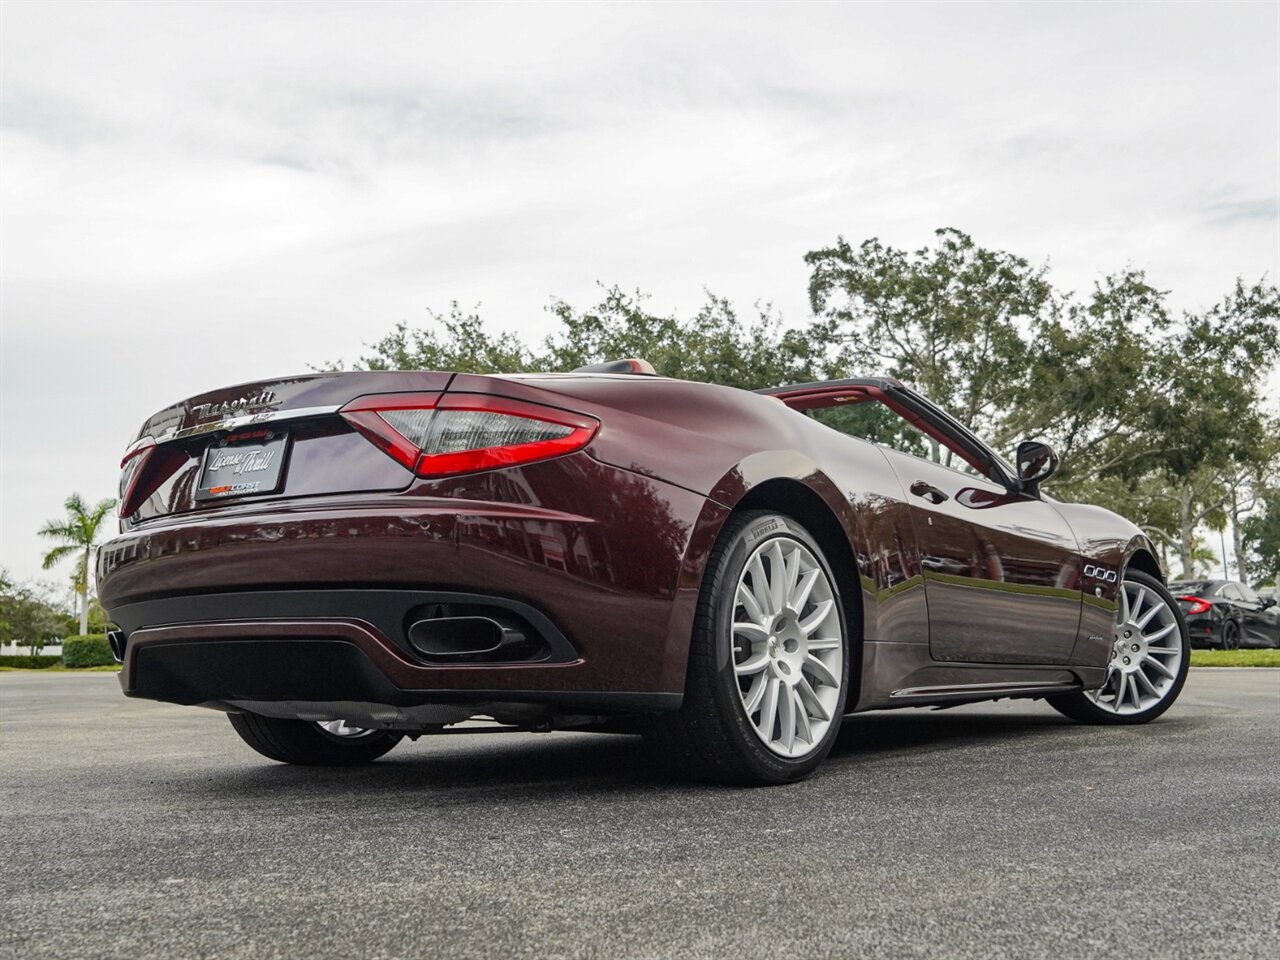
(713, 345)
(27, 616)
(454, 340)
(951, 320)
(1152, 415)
(1260, 534)
(1160, 416)
(77, 535)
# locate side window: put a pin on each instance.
(876, 422)
(1246, 593)
(1229, 592)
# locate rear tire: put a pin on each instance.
(1230, 635)
(307, 743)
(1150, 656)
(767, 678)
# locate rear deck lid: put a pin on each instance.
(270, 439)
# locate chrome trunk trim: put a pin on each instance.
(247, 420)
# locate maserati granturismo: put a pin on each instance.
(341, 560)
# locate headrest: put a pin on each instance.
(629, 365)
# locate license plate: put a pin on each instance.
(243, 465)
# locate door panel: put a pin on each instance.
(1000, 569)
(1261, 623)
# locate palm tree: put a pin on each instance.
(79, 535)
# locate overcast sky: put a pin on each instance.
(194, 196)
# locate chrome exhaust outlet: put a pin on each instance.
(116, 640)
(450, 637)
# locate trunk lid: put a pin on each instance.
(265, 440)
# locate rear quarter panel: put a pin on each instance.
(603, 552)
(725, 443)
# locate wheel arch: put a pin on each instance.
(1143, 559)
(816, 504)
(788, 483)
(800, 502)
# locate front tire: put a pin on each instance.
(768, 667)
(304, 742)
(1151, 652)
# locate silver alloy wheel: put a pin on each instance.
(1146, 654)
(342, 729)
(788, 648)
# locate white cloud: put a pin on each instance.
(203, 194)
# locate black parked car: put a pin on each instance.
(1227, 614)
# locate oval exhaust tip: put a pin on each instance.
(456, 636)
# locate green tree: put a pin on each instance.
(1201, 561)
(715, 345)
(454, 340)
(1247, 491)
(1261, 538)
(1161, 418)
(1152, 416)
(951, 320)
(78, 536)
(27, 617)
(1199, 432)
(1091, 367)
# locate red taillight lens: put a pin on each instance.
(132, 467)
(370, 415)
(463, 433)
(1198, 605)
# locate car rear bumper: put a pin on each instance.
(317, 661)
(1204, 630)
(299, 600)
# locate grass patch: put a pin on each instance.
(59, 668)
(1235, 658)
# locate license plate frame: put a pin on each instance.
(248, 464)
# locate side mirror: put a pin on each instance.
(1036, 463)
(1268, 603)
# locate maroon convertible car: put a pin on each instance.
(340, 560)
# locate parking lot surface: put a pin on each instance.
(139, 830)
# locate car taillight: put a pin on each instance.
(441, 436)
(1198, 605)
(132, 467)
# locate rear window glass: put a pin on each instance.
(1192, 586)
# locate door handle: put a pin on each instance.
(928, 491)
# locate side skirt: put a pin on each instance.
(904, 675)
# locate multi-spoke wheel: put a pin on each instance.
(343, 730)
(769, 659)
(1150, 653)
(329, 743)
(788, 648)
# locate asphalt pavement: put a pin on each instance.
(139, 830)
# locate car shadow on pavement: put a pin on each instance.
(892, 732)
(545, 763)
(611, 763)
